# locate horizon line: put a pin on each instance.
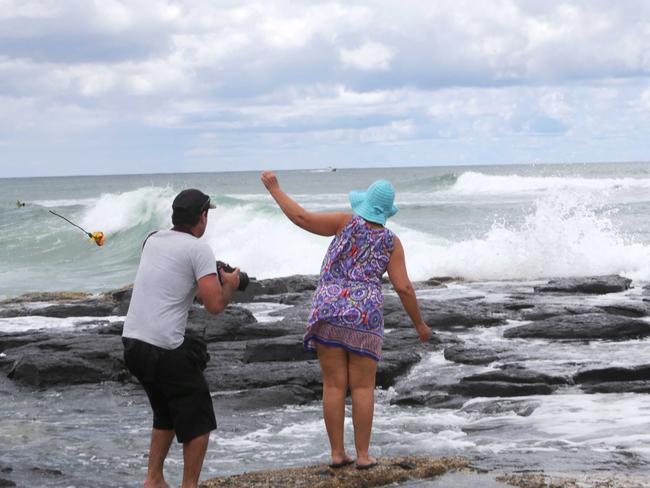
(333, 169)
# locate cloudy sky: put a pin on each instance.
(142, 86)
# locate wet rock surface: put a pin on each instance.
(592, 285)
(487, 360)
(388, 471)
(583, 326)
(264, 364)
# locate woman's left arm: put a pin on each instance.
(324, 224)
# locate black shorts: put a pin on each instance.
(174, 382)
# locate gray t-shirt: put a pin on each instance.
(165, 286)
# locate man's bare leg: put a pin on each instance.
(193, 455)
(160, 442)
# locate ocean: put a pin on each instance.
(499, 229)
(475, 223)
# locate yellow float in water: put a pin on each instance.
(98, 236)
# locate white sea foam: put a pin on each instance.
(262, 311)
(599, 419)
(264, 245)
(117, 212)
(65, 202)
(562, 236)
(471, 183)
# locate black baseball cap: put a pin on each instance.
(191, 202)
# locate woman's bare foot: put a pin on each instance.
(366, 462)
(341, 461)
(156, 484)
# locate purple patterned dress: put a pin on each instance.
(348, 306)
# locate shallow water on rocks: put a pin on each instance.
(99, 434)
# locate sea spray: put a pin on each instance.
(564, 235)
(492, 223)
(119, 212)
(473, 183)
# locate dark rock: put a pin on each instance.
(285, 298)
(271, 397)
(638, 373)
(121, 298)
(285, 348)
(113, 328)
(447, 315)
(96, 307)
(13, 340)
(466, 354)
(404, 339)
(593, 284)
(5, 482)
(519, 306)
(221, 327)
(451, 320)
(268, 329)
(434, 283)
(295, 283)
(446, 279)
(586, 326)
(47, 471)
(523, 408)
(225, 373)
(277, 286)
(517, 375)
(67, 359)
(500, 389)
(437, 399)
(545, 311)
(626, 309)
(617, 387)
(394, 364)
(46, 296)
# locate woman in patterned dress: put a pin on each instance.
(346, 322)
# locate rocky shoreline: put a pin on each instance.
(444, 472)
(261, 364)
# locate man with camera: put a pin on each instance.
(174, 266)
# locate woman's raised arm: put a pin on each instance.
(324, 224)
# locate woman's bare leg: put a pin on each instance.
(334, 365)
(361, 373)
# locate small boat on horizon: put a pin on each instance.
(329, 169)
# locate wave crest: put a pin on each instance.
(563, 236)
(470, 183)
(113, 213)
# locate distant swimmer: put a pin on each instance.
(20, 204)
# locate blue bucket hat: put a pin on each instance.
(376, 203)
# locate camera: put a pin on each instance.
(243, 277)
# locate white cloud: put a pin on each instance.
(389, 133)
(371, 56)
(289, 73)
(554, 104)
(644, 102)
(14, 9)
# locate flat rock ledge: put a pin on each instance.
(589, 284)
(608, 480)
(389, 470)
